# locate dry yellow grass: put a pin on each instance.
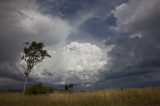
(116, 97)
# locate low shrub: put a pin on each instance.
(38, 89)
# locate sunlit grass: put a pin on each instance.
(115, 97)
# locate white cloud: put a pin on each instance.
(51, 28)
(73, 63)
(136, 35)
(136, 14)
(25, 21)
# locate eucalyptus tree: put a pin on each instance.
(33, 53)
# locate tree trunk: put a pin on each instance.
(24, 89)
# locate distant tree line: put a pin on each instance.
(68, 87)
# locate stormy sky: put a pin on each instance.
(93, 44)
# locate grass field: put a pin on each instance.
(116, 97)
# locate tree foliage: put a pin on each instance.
(33, 54)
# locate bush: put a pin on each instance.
(38, 89)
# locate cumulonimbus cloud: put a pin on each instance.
(73, 63)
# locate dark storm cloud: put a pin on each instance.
(71, 8)
(26, 20)
(133, 28)
(21, 21)
(139, 69)
(8, 70)
(93, 19)
(137, 49)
